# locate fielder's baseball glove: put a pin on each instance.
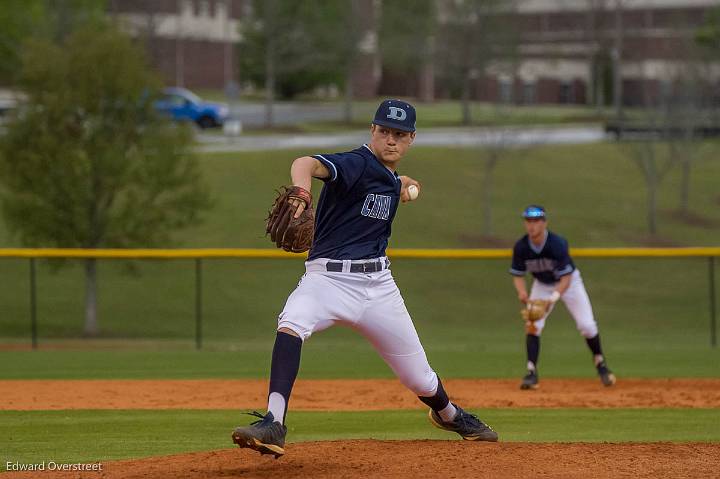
(535, 309)
(286, 231)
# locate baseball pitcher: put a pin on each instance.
(347, 276)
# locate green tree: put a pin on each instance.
(338, 34)
(473, 36)
(52, 19)
(408, 37)
(708, 35)
(87, 164)
(684, 115)
(19, 19)
(286, 47)
(655, 163)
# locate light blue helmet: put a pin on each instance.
(534, 212)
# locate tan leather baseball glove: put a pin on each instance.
(286, 231)
(535, 309)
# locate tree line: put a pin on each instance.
(86, 162)
(289, 47)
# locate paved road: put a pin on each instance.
(459, 137)
(253, 114)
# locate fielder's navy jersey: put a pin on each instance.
(547, 262)
(356, 207)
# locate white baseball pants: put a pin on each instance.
(576, 300)
(369, 303)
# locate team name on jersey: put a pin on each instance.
(377, 206)
(539, 265)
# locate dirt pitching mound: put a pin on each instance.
(353, 395)
(385, 459)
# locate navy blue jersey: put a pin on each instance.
(547, 262)
(356, 207)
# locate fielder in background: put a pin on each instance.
(545, 255)
(347, 276)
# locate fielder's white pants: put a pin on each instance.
(576, 300)
(369, 303)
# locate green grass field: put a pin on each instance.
(87, 436)
(653, 314)
(595, 194)
(448, 113)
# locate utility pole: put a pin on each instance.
(179, 46)
(617, 61)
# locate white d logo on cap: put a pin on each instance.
(397, 113)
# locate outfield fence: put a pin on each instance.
(198, 255)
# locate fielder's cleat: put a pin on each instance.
(606, 376)
(530, 381)
(265, 435)
(467, 425)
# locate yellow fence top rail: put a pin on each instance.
(201, 253)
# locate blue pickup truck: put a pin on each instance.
(183, 105)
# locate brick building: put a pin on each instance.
(192, 43)
(569, 50)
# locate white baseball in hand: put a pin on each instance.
(413, 192)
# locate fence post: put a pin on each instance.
(198, 303)
(33, 305)
(713, 327)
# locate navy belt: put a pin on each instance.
(371, 267)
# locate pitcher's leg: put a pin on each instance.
(302, 315)
(397, 342)
(267, 434)
(388, 326)
(314, 306)
(283, 372)
(415, 373)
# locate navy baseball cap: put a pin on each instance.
(396, 114)
(534, 212)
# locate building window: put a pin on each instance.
(506, 93)
(666, 91)
(529, 89)
(567, 93)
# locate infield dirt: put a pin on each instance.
(353, 395)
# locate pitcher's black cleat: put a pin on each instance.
(266, 435)
(467, 425)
